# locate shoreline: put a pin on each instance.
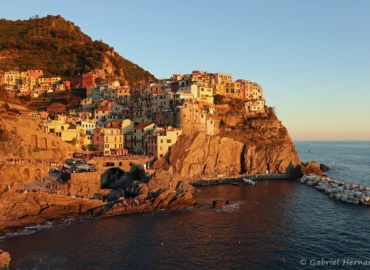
(85, 209)
(117, 208)
(229, 180)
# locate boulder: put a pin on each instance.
(311, 167)
(324, 168)
(4, 259)
(219, 203)
(113, 195)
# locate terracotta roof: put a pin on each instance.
(142, 125)
(103, 109)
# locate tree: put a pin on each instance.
(93, 147)
(271, 113)
(99, 80)
(6, 106)
(218, 99)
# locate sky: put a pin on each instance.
(312, 58)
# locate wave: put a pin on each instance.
(231, 208)
(27, 230)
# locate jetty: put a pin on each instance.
(208, 181)
(348, 193)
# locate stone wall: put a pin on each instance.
(43, 155)
(103, 164)
(85, 184)
(15, 176)
(27, 140)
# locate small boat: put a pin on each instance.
(249, 181)
(235, 184)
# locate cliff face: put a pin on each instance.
(252, 147)
(21, 137)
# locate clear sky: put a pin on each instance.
(312, 58)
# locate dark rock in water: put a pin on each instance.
(219, 203)
(324, 168)
(311, 167)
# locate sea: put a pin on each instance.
(277, 224)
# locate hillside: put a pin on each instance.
(58, 47)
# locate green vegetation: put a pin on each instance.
(58, 47)
(5, 106)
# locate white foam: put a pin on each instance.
(349, 193)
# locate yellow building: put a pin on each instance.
(205, 90)
(232, 89)
(223, 77)
(253, 90)
(109, 140)
(255, 106)
(71, 136)
(219, 89)
(41, 80)
(140, 131)
(56, 127)
(29, 82)
(166, 140)
(123, 95)
(12, 77)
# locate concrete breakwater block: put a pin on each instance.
(348, 193)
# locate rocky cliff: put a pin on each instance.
(123, 193)
(250, 146)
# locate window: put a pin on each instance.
(161, 141)
(168, 140)
(161, 155)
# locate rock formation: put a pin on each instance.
(198, 154)
(4, 260)
(324, 168)
(125, 192)
(311, 167)
(219, 203)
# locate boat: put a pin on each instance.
(249, 181)
(235, 184)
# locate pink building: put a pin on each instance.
(157, 89)
(151, 142)
(242, 88)
(98, 138)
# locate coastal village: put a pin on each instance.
(142, 119)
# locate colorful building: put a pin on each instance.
(140, 131)
(160, 141)
(109, 140)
